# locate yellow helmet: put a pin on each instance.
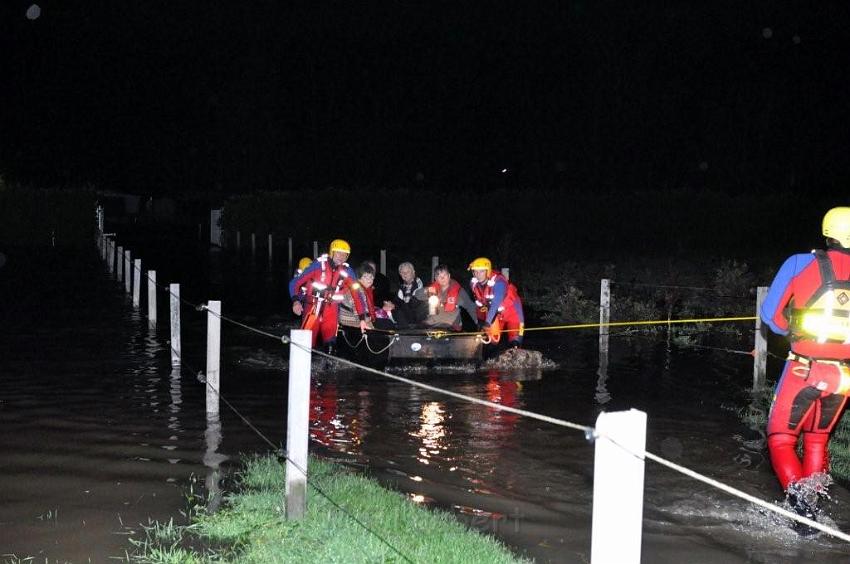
(304, 263)
(340, 245)
(481, 263)
(836, 225)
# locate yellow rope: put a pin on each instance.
(441, 334)
(615, 324)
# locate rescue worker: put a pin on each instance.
(303, 296)
(499, 305)
(809, 301)
(446, 298)
(327, 279)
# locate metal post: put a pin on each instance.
(289, 250)
(238, 240)
(213, 355)
(297, 423)
(618, 475)
(152, 297)
(760, 357)
(137, 282)
(384, 262)
(119, 263)
(315, 249)
(174, 292)
(253, 244)
(506, 272)
(128, 276)
(434, 262)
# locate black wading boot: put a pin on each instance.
(805, 504)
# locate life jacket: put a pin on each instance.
(825, 317)
(452, 293)
(482, 291)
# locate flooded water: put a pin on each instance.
(100, 435)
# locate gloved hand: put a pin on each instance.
(831, 378)
(297, 308)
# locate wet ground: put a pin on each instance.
(100, 435)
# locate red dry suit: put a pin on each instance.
(327, 284)
(809, 300)
(496, 296)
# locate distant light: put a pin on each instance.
(33, 12)
(504, 170)
(796, 39)
(767, 33)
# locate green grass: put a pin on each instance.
(251, 526)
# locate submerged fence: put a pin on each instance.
(619, 437)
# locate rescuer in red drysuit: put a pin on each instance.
(809, 301)
(498, 302)
(327, 279)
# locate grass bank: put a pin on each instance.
(250, 526)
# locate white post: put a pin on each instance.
(152, 297)
(119, 263)
(112, 256)
(289, 250)
(213, 355)
(384, 262)
(238, 240)
(128, 276)
(297, 423)
(506, 272)
(434, 262)
(618, 473)
(137, 282)
(604, 318)
(174, 292)
(215, 227)
(760, 358)
(253, 244)
(270, 251)
(315, 249)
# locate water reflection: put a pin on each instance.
(431, 431)
(176, 394)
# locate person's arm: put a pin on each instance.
(500, 288)
(781, 292)
(467, 304)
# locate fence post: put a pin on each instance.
(315, 250)
(271, 245)
(152, 297)
(297, 423)
(506, 272)
(128, 264)
(253, 244)
(119, 263)
(604, 318)
(289, 252)
(174, 292)
(238, 240)
(137, 282)
(434, 262)
(618, 473)
(760, 357)
(384, 262)
(213, 355)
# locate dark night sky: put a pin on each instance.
(155, 95)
